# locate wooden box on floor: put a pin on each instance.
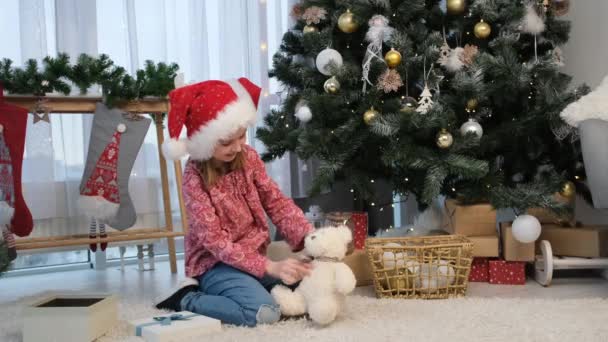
(69, 318)
(485, 246)
(584, 242)
(470, 220)
(512, 249)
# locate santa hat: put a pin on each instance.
(211, 111)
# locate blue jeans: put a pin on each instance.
(233, 297)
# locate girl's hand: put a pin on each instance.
(290, 271)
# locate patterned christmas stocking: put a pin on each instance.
(14, 213)
(115, 141)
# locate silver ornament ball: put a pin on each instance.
(471, 126)
(325, 57)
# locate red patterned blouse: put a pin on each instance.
(228, 223)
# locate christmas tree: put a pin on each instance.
(458, 98)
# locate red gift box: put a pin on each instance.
(479, 270)
(507, 272)
(356, 221)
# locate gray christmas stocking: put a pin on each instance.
(116, 138)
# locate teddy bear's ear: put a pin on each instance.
(345, 233)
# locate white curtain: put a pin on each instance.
(211, 39)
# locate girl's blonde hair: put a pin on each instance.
(211, 173)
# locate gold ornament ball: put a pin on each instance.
(482, 30)
(472, 104)
(310, 29)
(392, 58)
(347, 22)
(568, 189)
(332, 85)
(370, 115)
(444, 139)
(455, 7)
(408, 104)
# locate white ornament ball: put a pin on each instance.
(526, 228)
(391, 259)
(471, 126)
(121, 128)
(303, 113)
(325, 57)
(435, 276)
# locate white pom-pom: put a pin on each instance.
(121, 128)
(303, 113)
(526, 228)
(174, 149)
(454, 62)
(532, 22)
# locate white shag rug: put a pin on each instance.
(370, 319)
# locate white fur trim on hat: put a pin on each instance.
(98, 207)
(238, 114)
(174, 149)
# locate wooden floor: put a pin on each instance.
(148, 285)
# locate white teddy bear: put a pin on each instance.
(322, 292)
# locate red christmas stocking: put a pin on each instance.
(13, 210)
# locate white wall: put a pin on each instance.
(586, 57)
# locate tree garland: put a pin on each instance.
(57, 75)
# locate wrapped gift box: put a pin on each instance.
(359, 264)
(507, 272)
(356, 221)
(69, 318)
(479, 270)
(174, 327)
(550, 217)
(585, 242)
(485, 246)
(470, 220)
(512, 249)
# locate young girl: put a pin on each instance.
(227, 194)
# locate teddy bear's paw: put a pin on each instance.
(324, 311)
(291, 303)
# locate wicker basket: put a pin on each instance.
(429, 267)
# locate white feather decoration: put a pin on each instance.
(454, 61)
(591, 106)
(532, 22)
(378, 32)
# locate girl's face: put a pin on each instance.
(227, 149)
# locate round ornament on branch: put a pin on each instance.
(526, 228)
(332, 85)
(444, 139)
(370, 115)
(347, 22)
(568, 189)
(325, 58)
(482, 30)
(455, 7)
(392, 58)
(310, 29)
(472, 105)
(408, 104)
(471, 126)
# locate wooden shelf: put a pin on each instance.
(86, 104)
(84, 241)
